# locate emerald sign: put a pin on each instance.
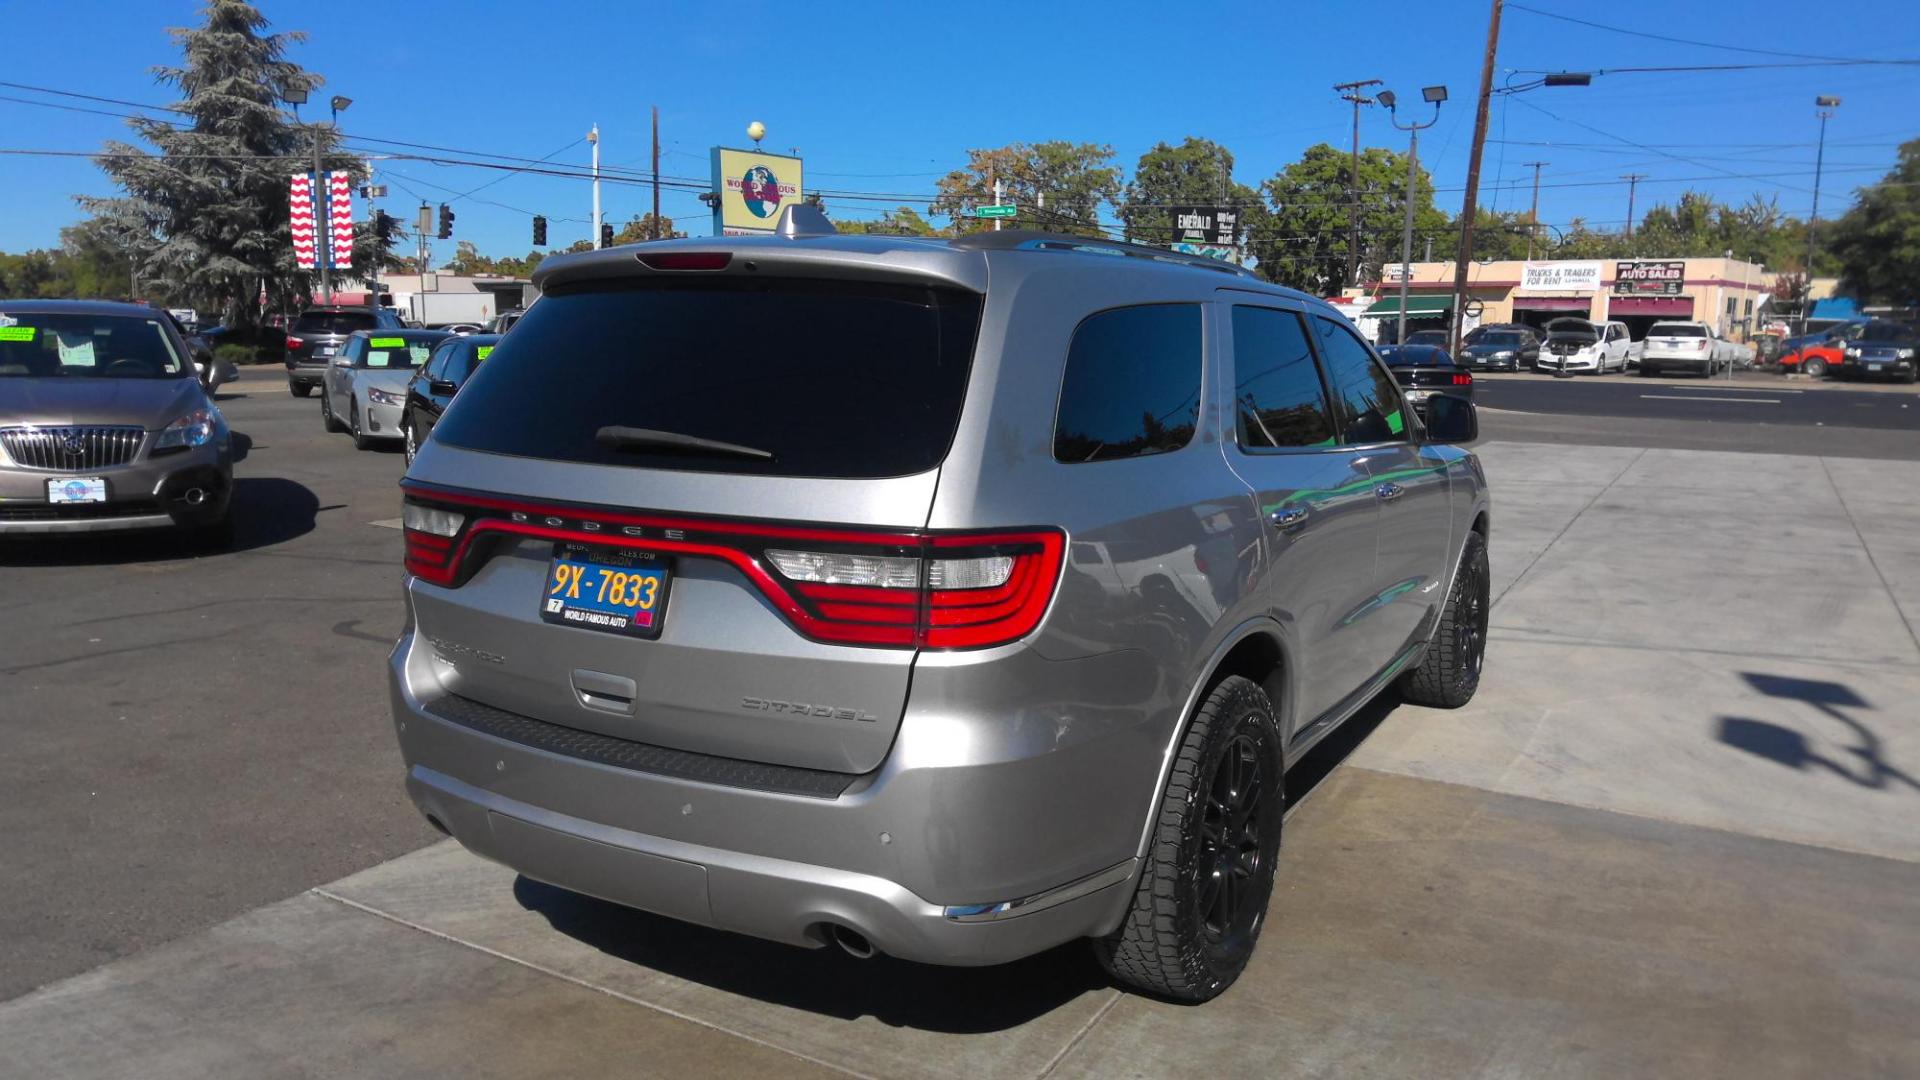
(995, 211)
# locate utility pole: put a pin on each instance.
(420, 226)
(1353, 92)
(593, 137)
(655, 231)
(1825, 105)
(1533, 216)
(1464, 257)
(1633, 185)
(997, 196)
(1429, 257)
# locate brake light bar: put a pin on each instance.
(884, 588)
(686, 260)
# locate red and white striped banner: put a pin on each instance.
(300, 214)
(340, 218)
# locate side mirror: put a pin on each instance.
(340, 360)
(220, 373)
(441, 387)
(1451, 420)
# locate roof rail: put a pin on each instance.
(1035, 240)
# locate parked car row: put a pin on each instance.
(392, 385)
(1874, 348)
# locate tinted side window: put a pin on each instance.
(437, 366)
(1365, 397)
(1132, 385)
(1277, 394)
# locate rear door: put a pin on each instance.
(1315, 497)
(1409, 485)
(762, 449)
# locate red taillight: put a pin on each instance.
(294, 343)
(686, 260)
(909, 589)
(1463, 379)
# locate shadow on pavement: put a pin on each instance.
(826, 981)
(896, 992)
(266, 511)
(1788, 747)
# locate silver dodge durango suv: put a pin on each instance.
(947, 598)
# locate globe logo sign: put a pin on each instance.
(74, 490)
(761, 191)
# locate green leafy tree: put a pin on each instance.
(1303, 241)
(1877, 242)
(1198, 172)
(1058, 186)
(904, 221)
(204, 214)
(641, 228)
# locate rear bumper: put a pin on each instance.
(788, 867)
(1702, 364)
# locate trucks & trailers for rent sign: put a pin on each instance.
(1560, 277)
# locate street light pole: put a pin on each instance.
(1825, 105)
(593, 137)
(1436, 95)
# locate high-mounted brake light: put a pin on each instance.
(899, 589)
(686, 260)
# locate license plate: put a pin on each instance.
(1418, 395)
(1876, 367)
(620, 590)
(323, 350)
(77, 489)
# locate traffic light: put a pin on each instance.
(606, 234)
(539, 231)
(446, 222)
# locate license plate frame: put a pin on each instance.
(76, 490)
(584, 604)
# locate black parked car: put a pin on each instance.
(1424, 371)
(1501, 350)
(1884, 350)
(319, 332)
(453, 362)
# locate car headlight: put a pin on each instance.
(194, 429)
(384, 397)
(1853, 352)
(1503, 356)
(1903, 354)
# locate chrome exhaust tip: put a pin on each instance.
(853, 942)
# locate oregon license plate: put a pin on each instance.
(621, 590)
(1418, 395)
(77, 489)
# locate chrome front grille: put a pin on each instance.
(70, 449)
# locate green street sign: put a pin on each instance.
(995, 211)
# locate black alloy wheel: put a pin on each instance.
(1228, 865)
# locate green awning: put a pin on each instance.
(1417, 306)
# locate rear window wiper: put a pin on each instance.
(616, 437)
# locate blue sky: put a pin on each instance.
(886, 97)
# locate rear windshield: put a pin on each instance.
(76, 346)
(333, 322)
(1677, 329)
(831, 378)
(1415, 356)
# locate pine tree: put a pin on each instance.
(205, 217)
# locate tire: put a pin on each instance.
(1813, 367)
(1202, 898)
(327, 419)
(1450, 672)
(299, 389)
(360, 440)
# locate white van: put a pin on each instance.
(1578, 345)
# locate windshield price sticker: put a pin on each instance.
(481, 352)
(388, 343)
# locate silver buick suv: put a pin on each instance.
(951, 599)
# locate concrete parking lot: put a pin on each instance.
(1674, 834)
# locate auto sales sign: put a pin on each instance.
(1650, 278)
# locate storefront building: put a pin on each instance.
(1727, 293)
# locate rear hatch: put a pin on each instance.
(688, 511)
(316, 336)
(1679, 340)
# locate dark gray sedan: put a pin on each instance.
(1501, 350)
(104, 424)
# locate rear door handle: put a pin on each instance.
(1389, 492)
(1291, 518)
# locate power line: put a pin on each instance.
(1701, 44)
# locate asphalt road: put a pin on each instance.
(188, 738)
